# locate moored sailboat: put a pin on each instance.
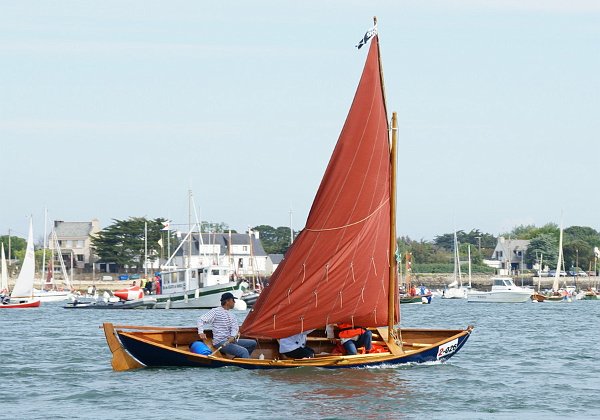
(3, 273)
(409, 294)
(456, 290)
(21, 295)
(556, 294)
(340, 269)
(49, 290)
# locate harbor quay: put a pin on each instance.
(433, 281)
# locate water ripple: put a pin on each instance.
(522, 361)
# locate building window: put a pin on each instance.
(79, 257)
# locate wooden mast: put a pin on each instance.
(393, 293)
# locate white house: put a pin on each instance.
(242, 252)
(509, 255)
(74, 241)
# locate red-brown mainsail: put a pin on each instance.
(338, 269)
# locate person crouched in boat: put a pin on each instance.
(352, 337)
(225, 329)
(295, 347)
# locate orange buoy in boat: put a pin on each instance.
(130, 293)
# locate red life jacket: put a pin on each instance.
(347, 330)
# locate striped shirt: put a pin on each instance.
(224, 324)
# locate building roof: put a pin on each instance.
(73, 229)
(510, 247)
(224, 240)
(276, 258)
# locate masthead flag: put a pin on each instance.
(370, 34)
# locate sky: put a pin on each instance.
(116, 109)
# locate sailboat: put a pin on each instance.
(340, 269)
(3, 273)
(557, 294)
(21, 295)
(409, 294)
(455, 290)
(49, 292)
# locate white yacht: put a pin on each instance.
(504, 290)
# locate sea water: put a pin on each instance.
(530, 360)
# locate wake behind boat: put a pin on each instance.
(341, 269)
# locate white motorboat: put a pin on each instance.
(504, 290)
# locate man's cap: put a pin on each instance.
(226, 296)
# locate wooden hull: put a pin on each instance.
(537, 297)
(136, 347)
(415, 299)
(32, 303)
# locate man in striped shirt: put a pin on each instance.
(225, 329)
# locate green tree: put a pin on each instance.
(123, 242)
(482, 244)
(424, 252)
(578, 253)
(544, 249)
(528, 232)
(274, 240)
(16, 245)
(582, 233)
(215, 227)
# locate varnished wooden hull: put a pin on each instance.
(136, 347)
(537, 297)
